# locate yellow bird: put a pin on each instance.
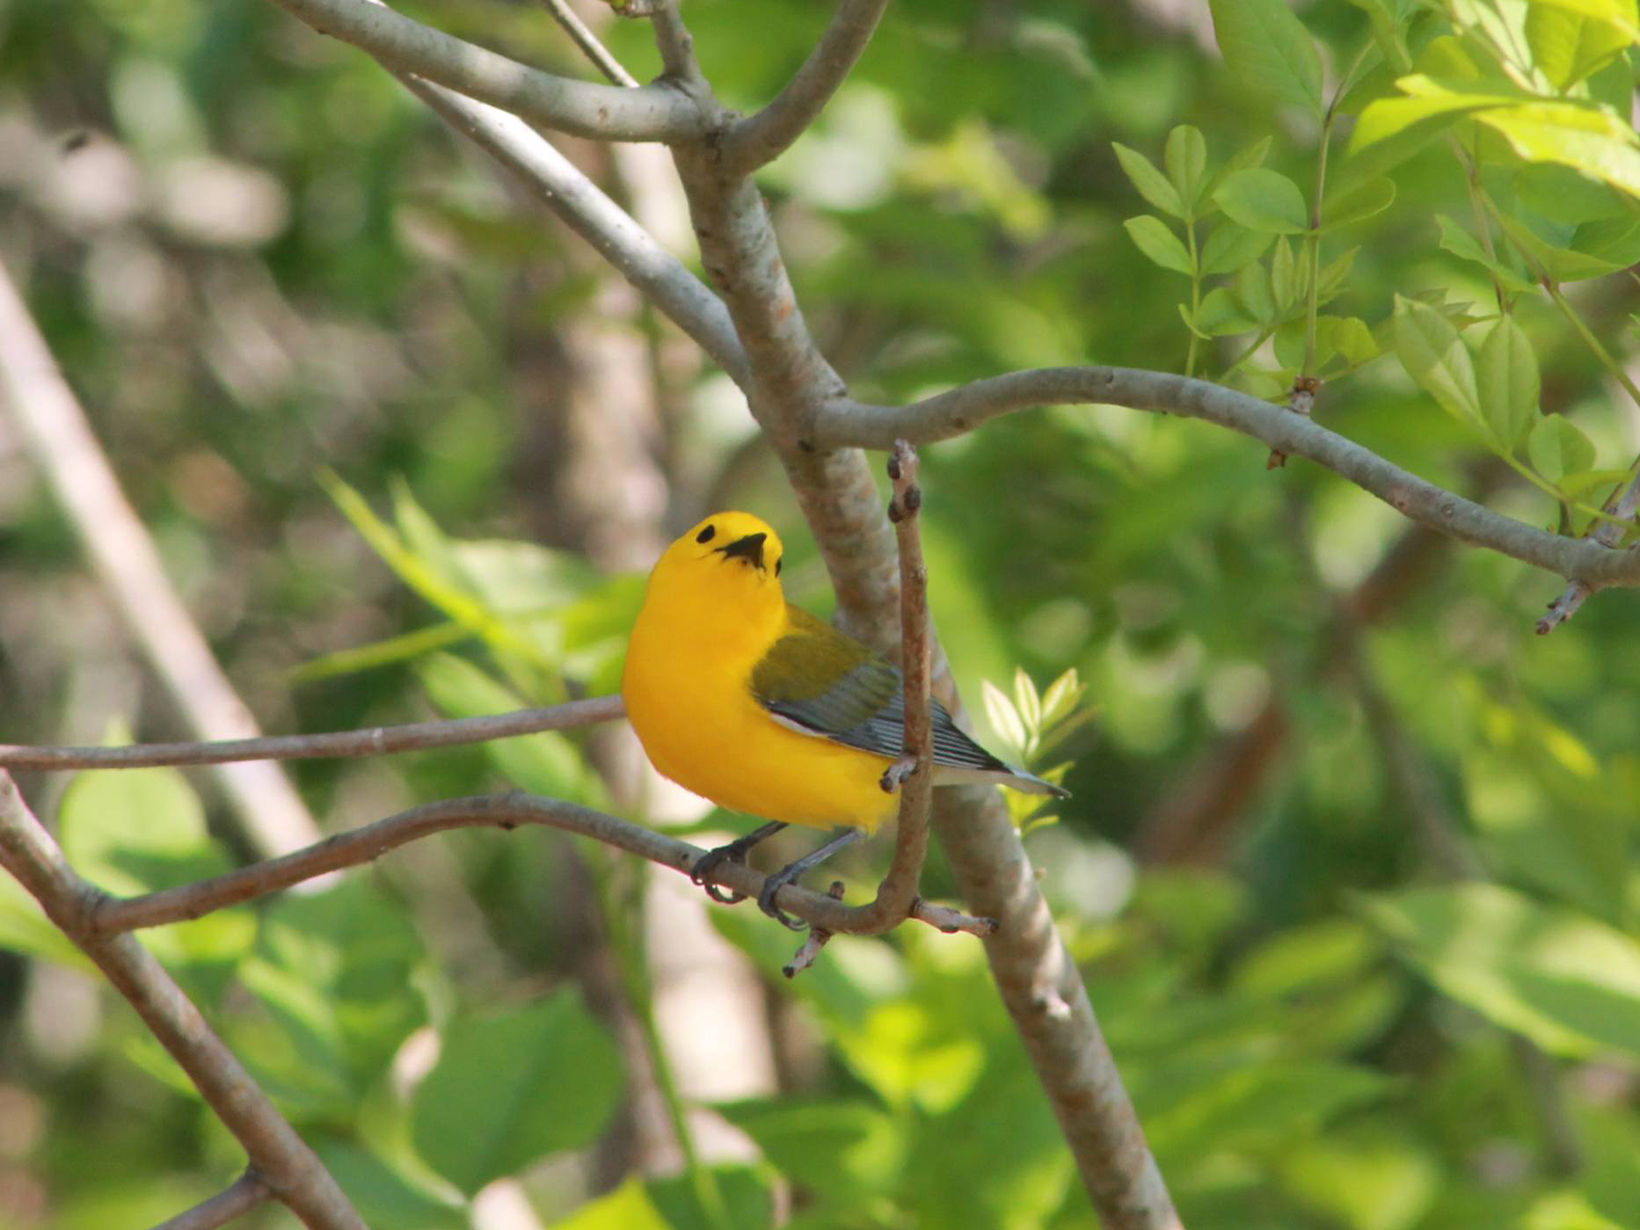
(763, 708)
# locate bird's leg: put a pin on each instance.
(734, 852)
(783, 877)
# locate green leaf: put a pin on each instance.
(1186, 159)
(1263, 200)
(133, 831)
(1027, 701)
(383, 1196)
(1568, 46)
(1593, 142)
(1284, 280)
(1231, 246)
(1365, 199)
(847, 1148)
(1558, 446)
(1251, 156)
(1268, 50)
(1428, 98)
(1436, 358)
(747, 1201)
(1151, 183)
(1464, 246)
(628, 1207)
(1004, 718)
(547, 763)
(1506, 376)
(1348, 336)
(1253, 293)
(1152, 237)
(25, 928)
(1567, 982)
(334, 970)
(1618, 14)
(1221, 315)
(512, 1087)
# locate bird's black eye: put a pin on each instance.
(706, 534)
(777, 564)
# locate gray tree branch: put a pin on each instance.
(372, 741)
(583, 108)
(1586, 560)
(101, 915)
(761, 138)
(291, 1171)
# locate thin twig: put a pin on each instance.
(242, 1196)
(813, 942)
(961, 410)
(373, 741)
(583, 108)
(914, 774)
(761, 138)
(290, 1169)
(1608, 533)
(582, 36)
(109, 915)
(62, 445)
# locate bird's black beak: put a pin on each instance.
(749, 548)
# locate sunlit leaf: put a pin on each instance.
(1149, 180)
(1152, 237)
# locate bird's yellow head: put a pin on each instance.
(728, 565)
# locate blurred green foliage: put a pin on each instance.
(288, 298)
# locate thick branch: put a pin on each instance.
(110, 915)
(374, 741)
(584, 108)
(953, 413)
(1609, 533)
(241, 1197)
(656, 274)
(761, 138)
(915, 773)
(61, 444)
(288, 1167)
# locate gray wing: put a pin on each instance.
(866, 709)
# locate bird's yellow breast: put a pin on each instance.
(688, 694)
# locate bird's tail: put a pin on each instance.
(1014, 779)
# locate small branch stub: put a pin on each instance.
(1300, 401)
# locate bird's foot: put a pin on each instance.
(772, 885)
(896, 774)
(734, 852)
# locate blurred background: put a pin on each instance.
(1349, 861)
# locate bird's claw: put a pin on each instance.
(766, 895)
(896, 774)
(709, 862)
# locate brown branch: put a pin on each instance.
(761, 138)
(374, 741)
(914, 773)
(63, 447)
(583, 108)
(961, 410)
(109, 915)
(292, 1172)
(246, 1193)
